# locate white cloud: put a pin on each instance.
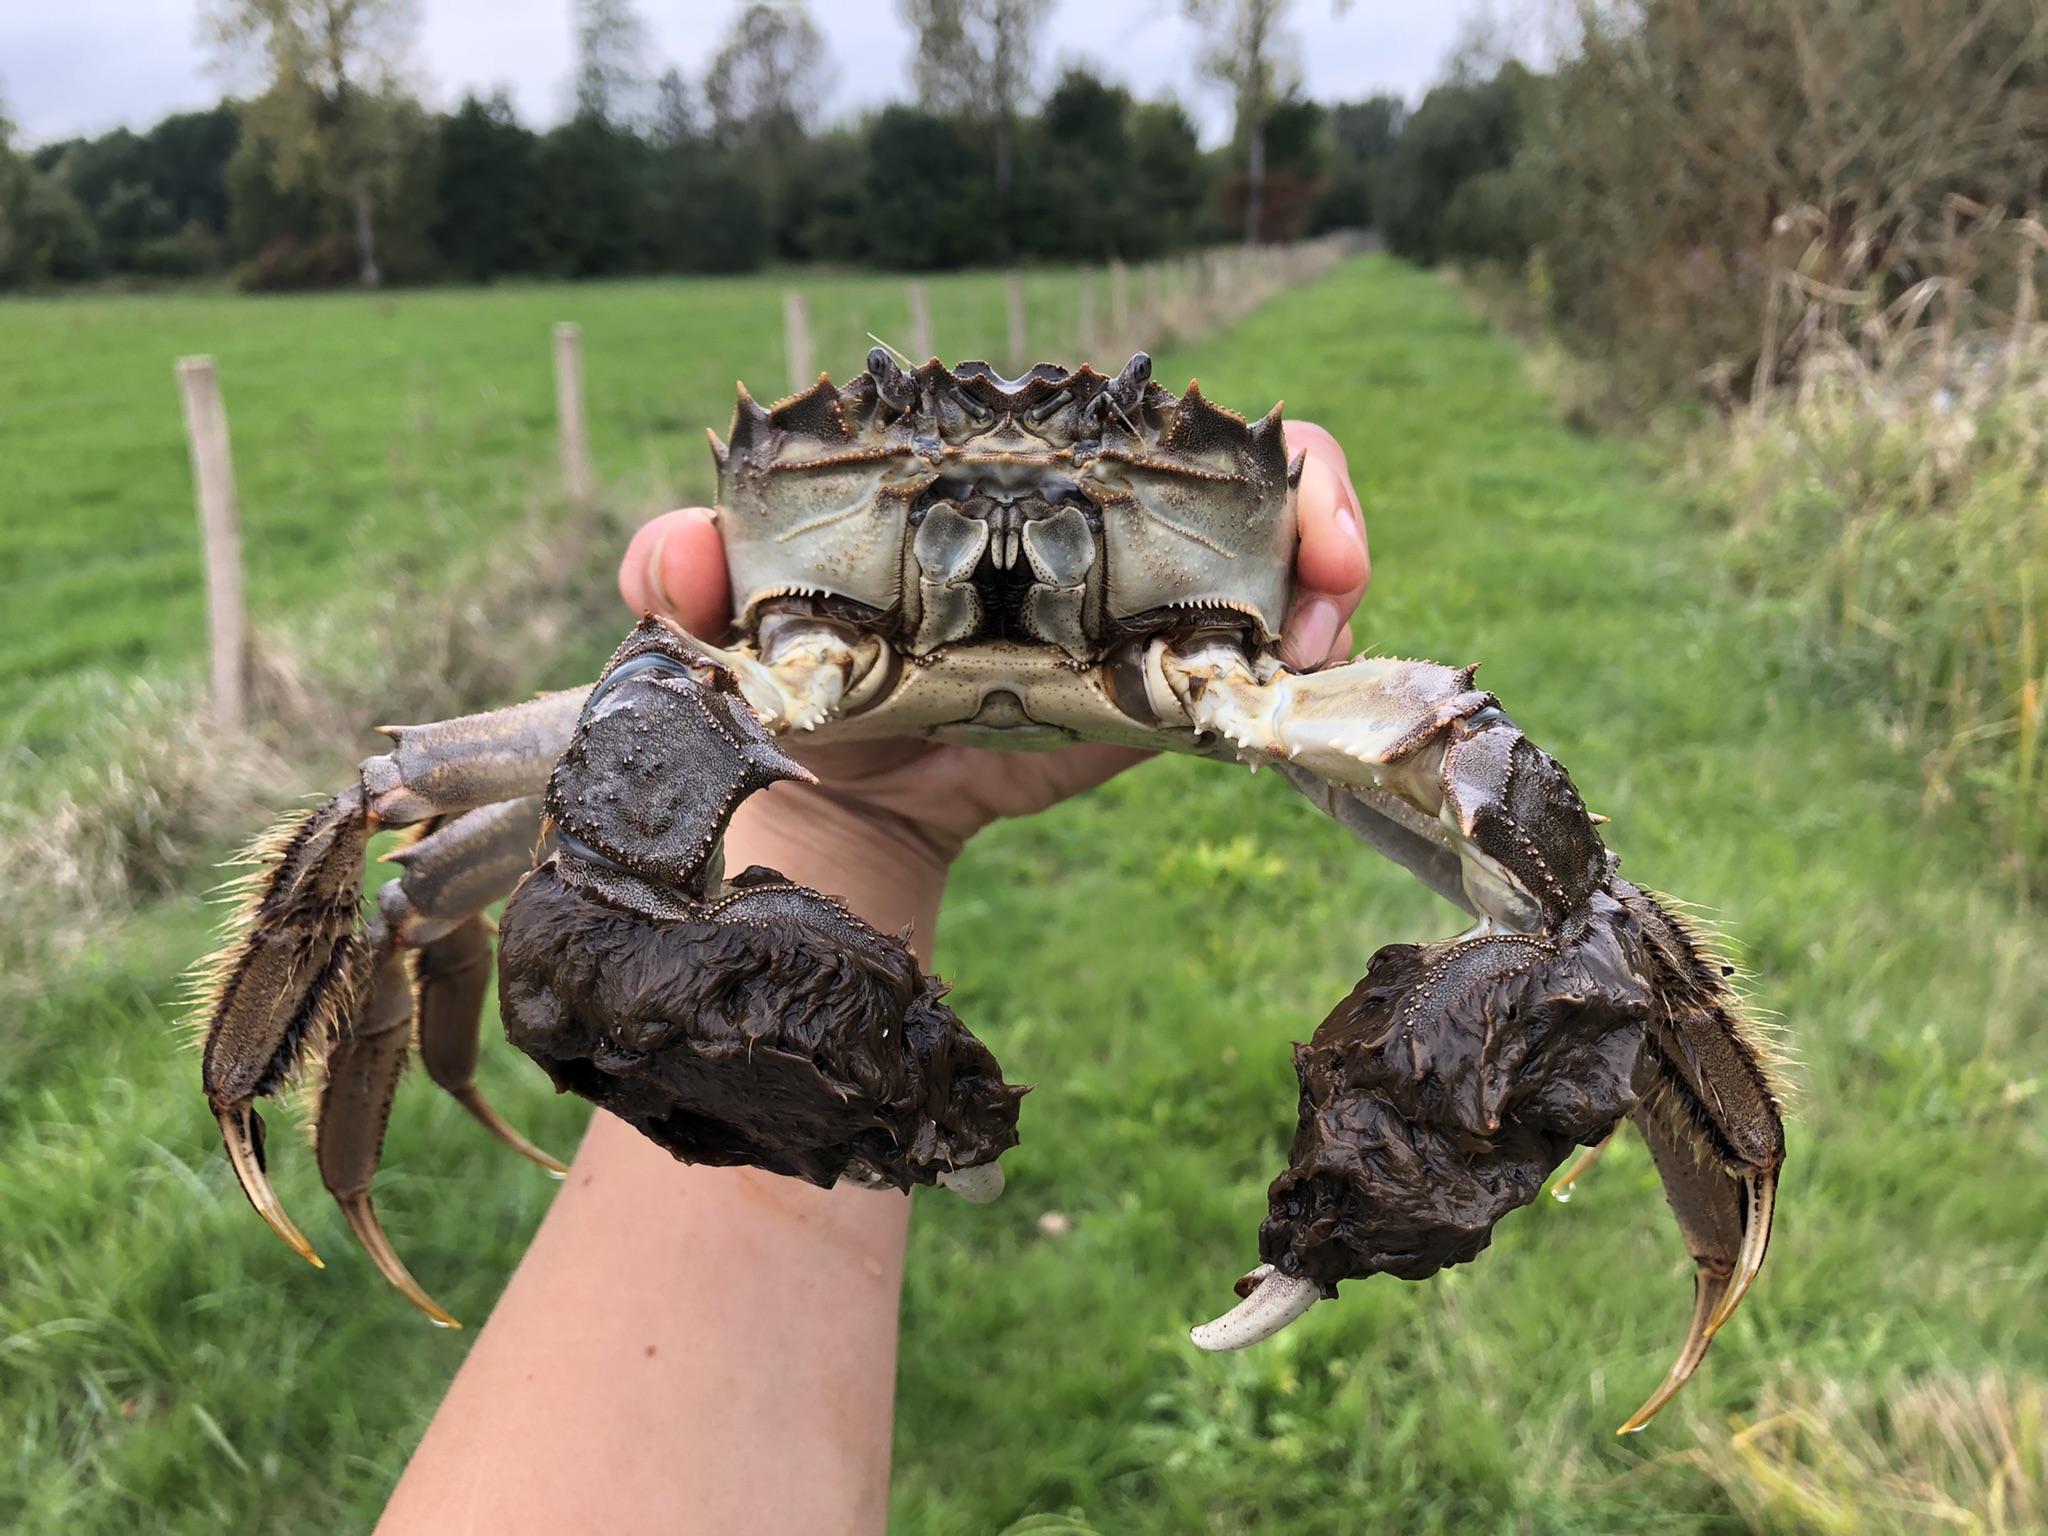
(85, 66)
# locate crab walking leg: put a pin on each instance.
(292, 969)
(362, 1074)
(433, 910)
(451, 875)
(453, 974)
(459, 868)
(460, 764)
(1699, 1045)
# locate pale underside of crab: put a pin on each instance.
(1015, 563)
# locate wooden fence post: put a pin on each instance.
(1013, 288)
(570, 424)
(921, 349)
(796, 337)
(213, 477)
(1084, 322)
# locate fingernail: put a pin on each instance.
(1310, 635)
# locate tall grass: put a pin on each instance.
(1890, 500)
(1946, 1453)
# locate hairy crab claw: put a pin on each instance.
(953, 555)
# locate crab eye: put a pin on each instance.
(897, 389)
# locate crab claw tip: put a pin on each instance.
(1277, 1300)
(241, 1131)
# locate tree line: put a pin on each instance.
(329, 170)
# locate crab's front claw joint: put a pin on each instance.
(743, 1020)
(1272, 1300)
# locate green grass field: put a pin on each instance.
(1143, 955)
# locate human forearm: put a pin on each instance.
(708, 1349)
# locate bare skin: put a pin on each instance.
(687, 1349)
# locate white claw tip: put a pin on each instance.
(980, 1185)
(1276, 1301)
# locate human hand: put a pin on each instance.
(938, 796)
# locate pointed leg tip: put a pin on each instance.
(1640, 1419)
(362, 1217)
(498, 1126)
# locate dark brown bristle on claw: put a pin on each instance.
(272, 999)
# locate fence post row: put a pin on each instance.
(569, 419)
(1013, 292)
(922, 349)
(220, 532)
(796, 337)
(1084, 322)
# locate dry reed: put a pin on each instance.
(1947, 1453)
(1887, 486)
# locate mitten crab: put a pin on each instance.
(1025, 562)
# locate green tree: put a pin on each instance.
(764, 88)
(157, 201)
(611, 43)
(1250, 53)
(928, 196)
(974, 62)
(335, 117)
(487, 207)
(16, 175)
(592, 177)
(1102, 176)
(1447, 189)
(1171, 175)
(1362, 134)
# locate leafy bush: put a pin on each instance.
(1679, 132)
(1425, 200)
(1362, 135)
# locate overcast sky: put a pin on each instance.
(84, 66)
